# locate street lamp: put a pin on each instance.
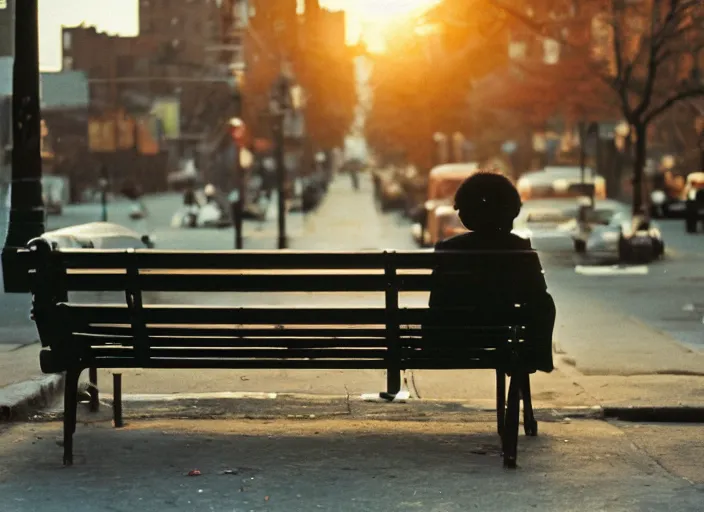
(285, 97)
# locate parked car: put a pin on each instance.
(415, 188)
(98, 235)
(694, 206)
(389, 190)
(559, 182)
(626, 237)
(443, 182)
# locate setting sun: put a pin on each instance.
(373, 20)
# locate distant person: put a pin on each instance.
(189, 196)
(132, 191)
(354, 174)
(488, 203)
(191, 206)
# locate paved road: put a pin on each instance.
(668, 298)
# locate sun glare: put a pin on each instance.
(374, 21)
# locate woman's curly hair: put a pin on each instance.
(488, 201)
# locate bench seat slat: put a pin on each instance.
(175, 341)
(465, 342)
(229, 282)
(246, 353)
(225, 259)
(85, 313)
(231, 332)
(229, 315)
(82, 258)
(234, 364)
(280, 283)
(215, 343)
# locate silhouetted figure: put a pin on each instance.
(487, 204)
(354, 174)
(191, 206)
(133, 191)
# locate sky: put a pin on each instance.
(370, 17)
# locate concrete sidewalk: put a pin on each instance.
(356, 464)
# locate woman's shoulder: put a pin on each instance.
(475, 241)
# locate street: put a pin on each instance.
(622, 342)
(667, 298)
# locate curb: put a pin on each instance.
(18, 401)
(681, 414)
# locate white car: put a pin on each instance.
(98, 235)
(627, 237)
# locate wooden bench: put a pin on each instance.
(131, 334)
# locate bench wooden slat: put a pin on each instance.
(232, 342)
(280, 283)
(234, 332)
(109, 313)
(234, 364)
(225, 259)
(199, 315)
(246, 353)
(230, 282)
(151, 259)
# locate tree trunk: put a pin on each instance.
(639, 166)
(582, 151)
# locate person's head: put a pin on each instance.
(487, 202)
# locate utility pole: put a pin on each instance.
(234, 15)
(237, 134)
(26, 204)
(280, 102)
(104, 184)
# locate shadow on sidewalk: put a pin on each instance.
(331, 465)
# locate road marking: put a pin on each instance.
(614, 270)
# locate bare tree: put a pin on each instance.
(649, 53)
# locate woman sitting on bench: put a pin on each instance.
(487, 204)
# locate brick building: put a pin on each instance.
(173, 57)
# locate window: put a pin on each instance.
(68, 63)
(67, 40)
(517, 50)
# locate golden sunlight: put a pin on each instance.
(374, 21)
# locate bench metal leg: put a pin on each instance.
(510, 437)
(117, 400)
(70, 409)
(500, 401)
(94, 393)
(530, 425)
(393, 381)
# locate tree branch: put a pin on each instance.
(695, 92)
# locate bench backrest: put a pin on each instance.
(132, 333)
